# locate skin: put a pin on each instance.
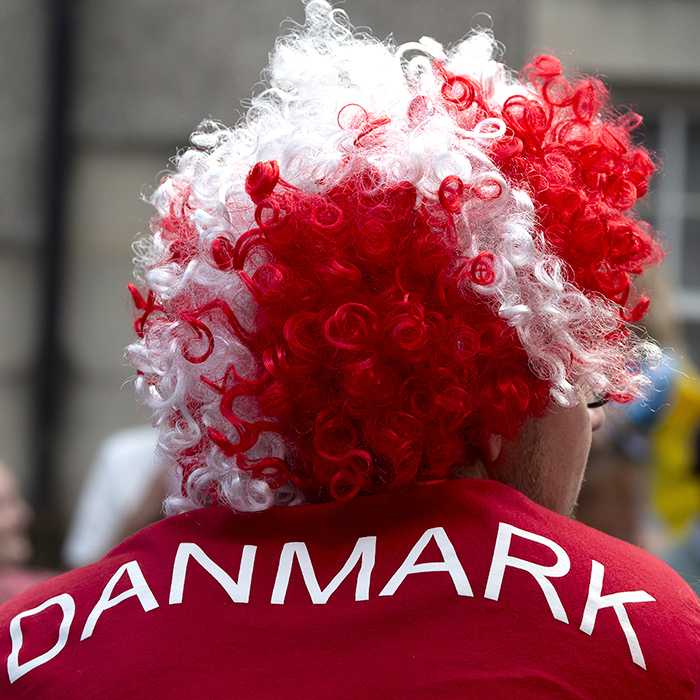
(547, 459)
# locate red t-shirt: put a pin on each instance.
(464, 589)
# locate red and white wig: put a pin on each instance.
(398, 251)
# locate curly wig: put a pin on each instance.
(399, 250)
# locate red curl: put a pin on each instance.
(459, 90)
(202, 332)
(223, 253)
(350, 327)
(270, 214)
(481, 269)
(148, 306)
(450, 192)
(544, 65)
(261, 180)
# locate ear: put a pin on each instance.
(492, 448)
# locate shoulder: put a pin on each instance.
(516, 516)
(475, 556)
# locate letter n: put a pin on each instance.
(239, 591)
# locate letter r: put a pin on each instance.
(502, 559)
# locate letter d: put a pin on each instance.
(16, 670)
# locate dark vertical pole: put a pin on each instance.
(50, 365)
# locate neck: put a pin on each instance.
(477, 470)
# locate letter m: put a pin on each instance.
(364, 550)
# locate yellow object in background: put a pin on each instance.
(674, 447)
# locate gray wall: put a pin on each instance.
(146, 72)
(23, 96)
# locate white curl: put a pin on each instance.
(451, 163)
(480, 130)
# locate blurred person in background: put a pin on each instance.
(124, 491)
(613, 493)
(377, 324)
(684, 556)
(666, 424)
(15, 546)
(642, 481)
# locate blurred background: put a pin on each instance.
(96, 97)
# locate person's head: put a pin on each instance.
(401, 258)
(547, 458)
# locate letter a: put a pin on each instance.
(617, 601)
(139, 588)
(15, 669)
(450, 563)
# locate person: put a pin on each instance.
(16, 550)
(123, 493)
(377, 322)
